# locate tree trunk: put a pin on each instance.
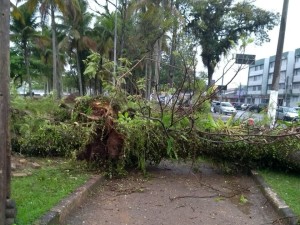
(157, 59)
(28, 76)
(54, 55)
(124, 16)
(173, 48)
(79, 72)
(149, 75)
(4, 109)
(147, 90)
(210, 72)
(276, 76)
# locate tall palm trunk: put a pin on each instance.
(157, 60)
(79, 71)
(56, 79)
(173, 45)
(26, 57)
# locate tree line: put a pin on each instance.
(142, 46)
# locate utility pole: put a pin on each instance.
(275, 82)
(7, 211)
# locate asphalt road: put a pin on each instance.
(240, 114)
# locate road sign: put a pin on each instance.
(222, 87)
(244, 59)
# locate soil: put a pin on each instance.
(176, 194)
(22, 166)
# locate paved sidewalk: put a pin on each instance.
(174, 194)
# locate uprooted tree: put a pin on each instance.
(125, 130)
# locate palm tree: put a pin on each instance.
(78, 41)
(49, 7)
(23, 30)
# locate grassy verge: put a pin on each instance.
(39, 192)
(286, 185)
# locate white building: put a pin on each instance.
(260, 77)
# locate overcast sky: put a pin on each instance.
(291, 41)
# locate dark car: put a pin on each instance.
(258, 107)
(237, 105)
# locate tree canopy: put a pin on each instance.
(152, 34)
(219, 25)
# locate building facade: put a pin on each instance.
(260, 77)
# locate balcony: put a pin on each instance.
(255, 83)
(254, 92)
(296, 79)
(271, 70)
(254, 73)
(297, 65)
(296, 91)
(281, 91)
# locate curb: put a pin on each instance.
(288, 216)
(58, 214)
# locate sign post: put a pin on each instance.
(245, 59)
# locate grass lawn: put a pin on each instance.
(286, 185)
(39, 192)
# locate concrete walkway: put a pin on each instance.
(176, 194)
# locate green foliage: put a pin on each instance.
(243, 199)
(144, 143)
(38, 128)
(42, 128)
(219, 25)
(52, 140)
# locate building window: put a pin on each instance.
(259, 67)
(259, 88)
(297, 59)
(257, 78)
(272, 65)
(282, 76)
(296, 86)
(297, 72)
(270, 76)
(269, 87)
(283, 62)
(281, 86)
(252, 69)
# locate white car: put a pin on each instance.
(287, 114)
(245, 106)
(224, 108)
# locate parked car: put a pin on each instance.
(287, 113)
(297, 109)
(224, 108)
(237, 105)
(214, 102)
(212, 106)
(258, 107)
(245, 106)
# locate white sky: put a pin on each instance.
(291, 41)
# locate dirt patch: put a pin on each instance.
(24, 166)
(176, 194)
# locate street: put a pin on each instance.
(240, 115)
